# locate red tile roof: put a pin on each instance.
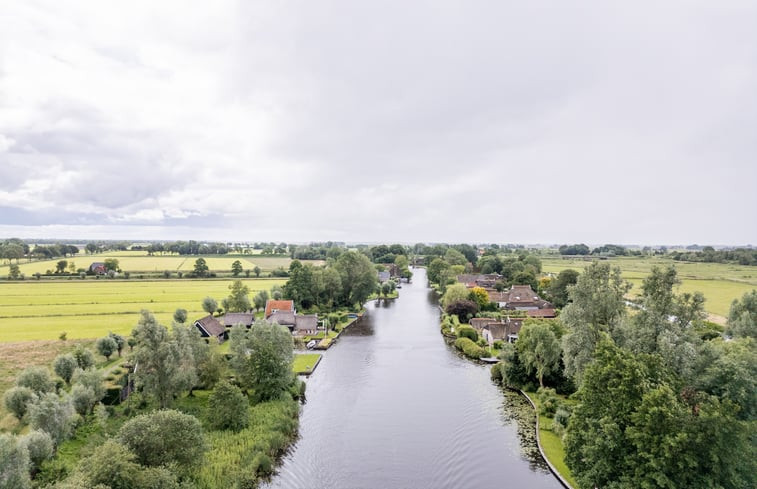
(272, 305)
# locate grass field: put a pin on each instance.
(32, 310)
(304, 363)
(140, 262)
(720, 283)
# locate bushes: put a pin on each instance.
(17, 400)
(228, 408)
(548, 401)
(470, 349)
(467, 332)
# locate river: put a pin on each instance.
(392, 406)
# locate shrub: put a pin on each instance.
(106, 346)
(65, 366)
(469, 348)
(37, 379)
(228, 408)
(14, 463)
(562, 416)
(164, 437)
(499, 344)
(83, 399)
(53, 415)
(84, 357)
(467, 332)
(40, 447)
(548, 401)
(17, 400)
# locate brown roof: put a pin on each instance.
(273, 305)
(521, 294)
(479, 279)
(284, 318)
(497, 330)
(232, 318)
(210, 326)
(495, 296)
(306, 322)
(541, 313)
(479, 323)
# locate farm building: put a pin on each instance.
(211, 327)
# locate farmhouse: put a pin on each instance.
(523, 298)
(272, 306)
(210, 327)
(487, 281)
(303, 324)
(245, 318)
(98, 268)
(507, 329)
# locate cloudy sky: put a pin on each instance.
(527, 122)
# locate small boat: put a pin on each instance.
(311, 344)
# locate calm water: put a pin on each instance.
(392, 406)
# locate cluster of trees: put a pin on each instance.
(186, 248)
(521, 269)
(741, 256)
(605, 250)
(315, 251)
(466, 303)
(657, 403)
(238, 300)
(385, 253)
(345, 282)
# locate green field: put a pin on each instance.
(32, 310)
(140, 262)
(304, 363)
(720, 283)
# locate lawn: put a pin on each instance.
(32, 310)
(720, 283)
(304, 363)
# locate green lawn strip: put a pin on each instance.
(552, 444)
(304, 363)
(392, 295)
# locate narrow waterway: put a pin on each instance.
(392, 406)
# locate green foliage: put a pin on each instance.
(180, 316)
(93, 380)
(228, 408)
(120, 341)
(558, 288)
(548, 401)
(164, 437)
(83, 399)
(14, 464)
(201, 268)
(467, 332)
(40, 447)
(53, 415)
(465, 309)
(479, 296)
(438, 272)
(236, 268)
(728, 370)
(357, 276)
(539, 349)
(470, 348)
(209, 305)
(84, 357)
(37, 379)
(238, 300)
(106, 346)
(742, 319)
(17, 400)
(262, 358)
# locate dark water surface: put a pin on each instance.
(392, 406)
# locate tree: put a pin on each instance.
(262, 358)
(84, 357)
(463, 309)
(64, 366)
(40, 447)
(436, 272)
(358, 278)
(454, 257)
(256, 271)
(728, 370)
(91, 248)
(558, 288)
(539, 349)
(480, 296)
(228, 408)
(201, 267)
(14, 272)
(91, 380)
(37, 379)
(164, 437)
(18, 399)
(160, 361)
(112, 465)
(742, 318)
(598, 305)
(83, 399)
(236, 268)
(53, 415)
(120, 341)
(209, 305)
(238, 300)
(14, 463)
(106, 346)
(60, 267)
(386, 289)
(260, 299)
(111, 264)
(180, 316)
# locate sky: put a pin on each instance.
(391, 121)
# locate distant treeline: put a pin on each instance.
(742, 256)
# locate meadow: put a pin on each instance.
(32, 310)
(719, 283)
(136, 262)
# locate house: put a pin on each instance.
(210, 327)
(523, 298)
(499, 298)
(232, 318)
(487, 281)
(546, 313)
(272, 306)
(283, 318)
(383, 277)
(98, 268)
(305, 324)
(507, 329)
(494, 332)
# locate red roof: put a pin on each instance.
(271, 306)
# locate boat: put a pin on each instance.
(311, 344)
